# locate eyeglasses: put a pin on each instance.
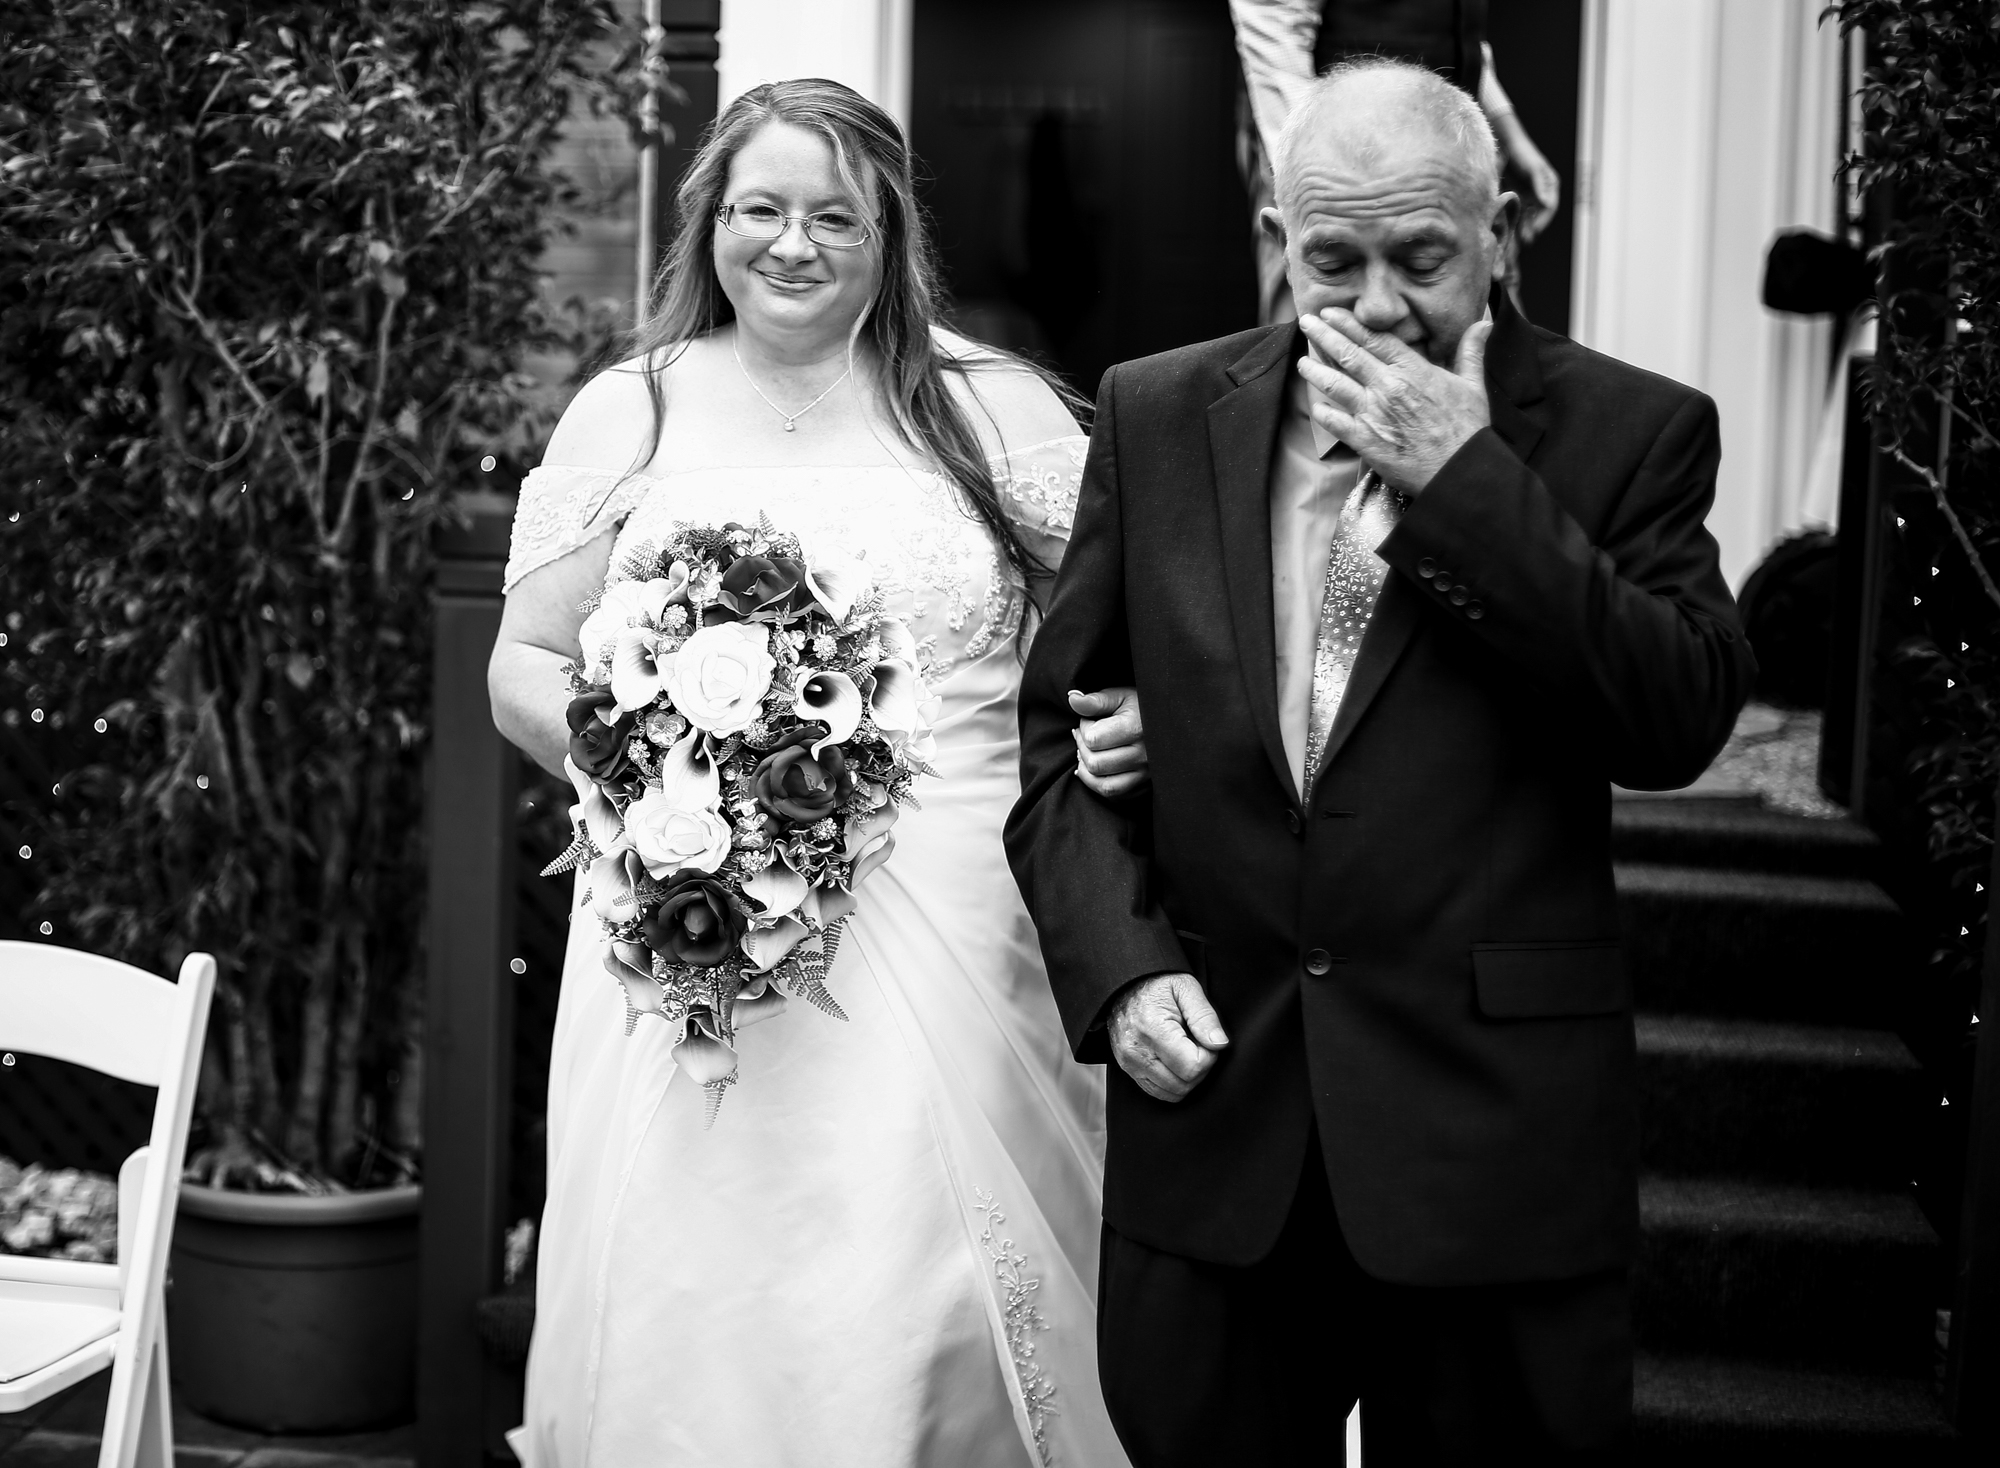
(834, 229)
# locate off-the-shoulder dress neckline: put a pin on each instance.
(661, 478)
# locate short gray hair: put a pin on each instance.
(1431, 100)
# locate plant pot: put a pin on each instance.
(291, 1314)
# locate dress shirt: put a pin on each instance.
(1312, 474)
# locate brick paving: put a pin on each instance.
(63, 1432)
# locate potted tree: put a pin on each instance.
(268, 274)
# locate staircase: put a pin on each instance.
(1787, 1283)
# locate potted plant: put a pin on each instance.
(268, 276)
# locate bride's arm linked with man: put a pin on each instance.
(1299, 1068)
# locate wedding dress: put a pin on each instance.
(884, 1253)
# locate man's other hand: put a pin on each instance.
(1110, 742)
(1165, 1034)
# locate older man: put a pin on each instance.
(1402, 597)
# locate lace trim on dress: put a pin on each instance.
(1022, 1321)
(1039, 487)
(1048, 490)
(562, 508)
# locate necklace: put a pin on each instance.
(791, 419)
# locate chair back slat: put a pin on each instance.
(143, 1267)
(87, 1010)
(131, 1199)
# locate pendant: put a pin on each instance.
(790, 426)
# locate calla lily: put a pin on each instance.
(637, 669)
(601, 821)
(777, 890)
(625, 604)
(689, 779)
(674, 587)
(865, 833)
(614, 881)
(701, 1052)
(758, 1000)
(837, 580)
(897, 640)
(893, 703)
(766, 948)
(632, 965)
(834, 700)
(827, 906)
(876, 852)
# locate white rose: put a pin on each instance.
(671, 837)
(720, 676)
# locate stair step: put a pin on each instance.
(1788, 1103)
(1714, 1412)
(1703, 940)
(1742, 835)
(1810, 1274)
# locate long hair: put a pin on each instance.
(867, 147)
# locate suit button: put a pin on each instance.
(1319, 962)
(1293, 823)
(1459, 595)
(1474, 611)
(1427, 568)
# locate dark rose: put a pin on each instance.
(695, 923)
(795, 787)
(760, 588)
(597, 747)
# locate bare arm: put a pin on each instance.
(540, 622)
(538, 634)
(1274, 42)
(1520, 150)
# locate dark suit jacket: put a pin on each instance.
(1424, 953)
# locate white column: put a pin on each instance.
(864, 43)
(1707, 126)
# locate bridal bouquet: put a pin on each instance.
(746, 723)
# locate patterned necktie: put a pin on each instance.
(1354, 576)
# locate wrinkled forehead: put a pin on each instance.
(1365, 175)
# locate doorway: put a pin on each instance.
(1080, 170)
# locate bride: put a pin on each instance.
(885, 1251)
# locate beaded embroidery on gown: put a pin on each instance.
(885, 1252)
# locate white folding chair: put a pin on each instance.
(60, 1319)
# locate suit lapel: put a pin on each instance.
(1514, 379)
(1514, 394)
(1242, 432)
